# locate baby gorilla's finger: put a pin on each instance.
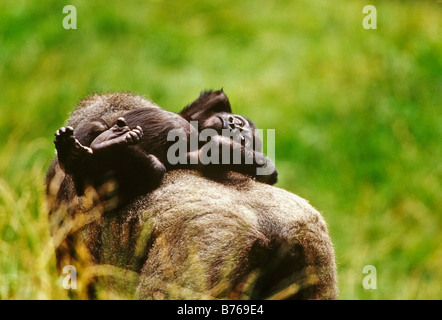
(129, 137)
(138, 132)
(135, 136)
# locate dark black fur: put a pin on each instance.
(132, 150)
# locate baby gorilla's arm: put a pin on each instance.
(249, 160)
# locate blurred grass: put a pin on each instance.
(357, 115)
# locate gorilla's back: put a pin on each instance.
(194, 237)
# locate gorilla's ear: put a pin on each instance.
(209, 102)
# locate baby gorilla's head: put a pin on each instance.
(235, 126)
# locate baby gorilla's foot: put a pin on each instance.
(69, 149)
(120, 134)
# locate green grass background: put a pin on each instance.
(357, 115)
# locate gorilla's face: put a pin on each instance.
(235, 126)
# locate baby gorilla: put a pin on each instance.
(132, 150)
